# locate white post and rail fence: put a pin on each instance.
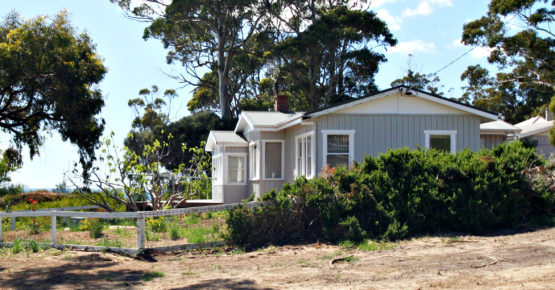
(140, 217)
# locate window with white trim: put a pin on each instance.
(305, 165)
(254, 155)
(273, 159)
(441, 140)
(236, 168)
(338, 149)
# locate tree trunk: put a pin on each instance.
(223, 80)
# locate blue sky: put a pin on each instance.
(429, 30)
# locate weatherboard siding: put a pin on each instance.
(490, 141)
(375, 133)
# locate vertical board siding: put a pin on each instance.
(234, 193)
(491, 141)
(377, 133)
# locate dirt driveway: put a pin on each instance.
(525, 260)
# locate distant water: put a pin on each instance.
(35, 189)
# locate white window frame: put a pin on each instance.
(226, 168)
(217, 176)
(263, 159)
(451, 133)
(256, 158)
(312, 150)
(350, 133)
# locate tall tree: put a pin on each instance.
(48, 81)
(419, 81)
(325, 51)
(520, 39)
(201, 35)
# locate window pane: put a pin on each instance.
(236, 169)
(308, 166)
(338, 160)
(441, 142)
(272, 160)
(308, 146)
(338, 144)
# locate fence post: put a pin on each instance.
(141, 232)
(53, 227)
(13, 224)
(0, 229)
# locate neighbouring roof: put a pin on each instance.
(498, 126)
(485, 114)
(224, 137)
(533, 126)
(267, 120)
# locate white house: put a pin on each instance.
(267, 149)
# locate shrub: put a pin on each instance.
(94, 226)
(398, 194)
(157, 224)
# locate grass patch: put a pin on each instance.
(347, 244)
(110, 243)
(305, 263)
(124, 233)
(332, 255)
(149, 276)
(351, 259)
(192, 219)
(197, 235)
(370, 246)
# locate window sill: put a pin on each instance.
(235, 183)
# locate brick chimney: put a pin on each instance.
(281, 103)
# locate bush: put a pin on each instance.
(94, 226)
(398, 194)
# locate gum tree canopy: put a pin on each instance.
(48, 78)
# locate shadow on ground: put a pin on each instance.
(223, 284)
(77, 273)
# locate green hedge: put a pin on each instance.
(398, 194)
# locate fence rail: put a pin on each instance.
(140, 216)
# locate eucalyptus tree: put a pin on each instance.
(49, 74)
(326, 49)
(519, 37)
(202, 35)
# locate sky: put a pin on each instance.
(428, 34)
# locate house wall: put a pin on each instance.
(543, 147)
(489, 141)
(375, 133)
(231, 193)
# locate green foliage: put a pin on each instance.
(94, 226)
(524, 54)
(419, 81)
(133, 179)
(399, 194)
(149, 276)
(157, 224)
(48, 81)
(330, 60)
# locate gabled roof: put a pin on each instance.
(484, 114)
(265, 120)
(498, 126)
(224, 138)
(533, 126)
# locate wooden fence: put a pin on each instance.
(138, 215)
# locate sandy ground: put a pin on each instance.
(523, 260)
